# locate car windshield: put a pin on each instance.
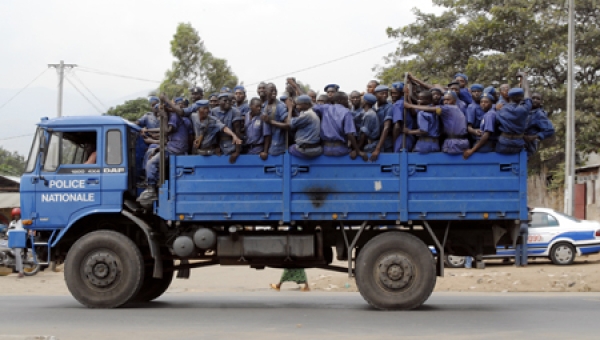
(568, 217)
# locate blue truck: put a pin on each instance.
(378, 217)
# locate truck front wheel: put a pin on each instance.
(395, 271)
(104, 269)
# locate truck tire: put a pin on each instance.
(153, 288)
(395, 271)
(104, 269)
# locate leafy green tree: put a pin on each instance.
(195, 65)
(490, 41)
(11, 163)
(131, 109)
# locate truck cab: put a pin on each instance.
(78, 166)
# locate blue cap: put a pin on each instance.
(152, 99)
(224, 95)
(478, 87)
(490, 89)
(488, 96)
(303, 99)
(214, 95)
(239, 87)
(335, 86)
(178, 100)
(462, 75)
(381, 88)
(436, 89)
(283, 98)
(516, 91)
(155, 106)
(398, 86)
(225, 89)
(201, 103)
(196, 89)
(369, 98)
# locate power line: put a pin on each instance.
(85, 87)
(23, 89)
(15, 137)
(104, 73)
(83, 95)
(326, 62)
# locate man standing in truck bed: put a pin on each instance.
(177, 144)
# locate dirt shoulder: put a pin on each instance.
(539, 276)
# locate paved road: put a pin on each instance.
(271, 315)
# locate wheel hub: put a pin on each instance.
(563, 254)
(395, 271)
(101, 269)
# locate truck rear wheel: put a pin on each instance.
(104, 269)
(395, 271)
(152, 288)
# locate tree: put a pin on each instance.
(195, 65)
(131, 110)
(490, 41)
(11, 163)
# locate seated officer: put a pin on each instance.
(307, 126)
(337, 128)
(233, 119)
(207, 129)
(369, 128)
(453, 121)
(428, 129)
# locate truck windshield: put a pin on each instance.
(35, 151)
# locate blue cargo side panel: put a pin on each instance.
(211, 189)
(350, 189)
(447, 187)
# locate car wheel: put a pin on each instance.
(562, 254)
(453, 261)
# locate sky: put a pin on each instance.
(261, 40)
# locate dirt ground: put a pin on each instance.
(539, 276)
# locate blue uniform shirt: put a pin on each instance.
(177, 141)
(358, 116)
(277, 111)
(370, 126)
(209, 128)
(512, 118)
(465, 96)
(539, 124)
(455, 127)
(398, 116)
(256, 130)
(474, 115)
(430, 123)
(307, 126)
(244, 108)
(227, 117)
(385, 113)
(149, 121)
(488, 124)
(336, 122)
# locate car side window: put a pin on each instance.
(543, 220)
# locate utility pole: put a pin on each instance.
(60, 68)
(570, 118)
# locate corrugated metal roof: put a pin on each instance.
(12, 178)
(10, 200)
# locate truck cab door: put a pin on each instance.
(31, 176)
(70, 176)
(115, 180)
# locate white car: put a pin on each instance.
(554, 235)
